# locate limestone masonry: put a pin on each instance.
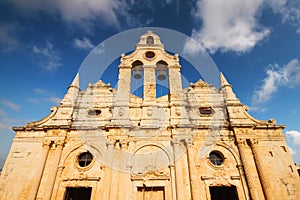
(193, 143)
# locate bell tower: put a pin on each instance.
(151, 66)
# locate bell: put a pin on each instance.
(137, 74)
(161, 75)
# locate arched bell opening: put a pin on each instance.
(137, 78)
(162, 78)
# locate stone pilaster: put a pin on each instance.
(243, 181)
(181, 170)
(50, 171)
(266, 186)
(191, 168)
(108, 169)
(55, 162)
(149, 83)
(121, 107)
(57, 182)
(250, 172)
(173, 182)
(39, 170)
(175, 85)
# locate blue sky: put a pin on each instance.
(255, 43)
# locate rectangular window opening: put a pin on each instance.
(78, 193)
(223, 192)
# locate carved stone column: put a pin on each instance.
(52, 175)
(39, 170)
(250, 171)
(121, 107)
(173, 182)
(149, 83)
(175, 85)
(267, 188)
(108, 169)
(179, 114)
(191, 168)
(181, 170)
(50, 171)
(243, 181)
(58, 182)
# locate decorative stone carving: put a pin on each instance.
(145, 141)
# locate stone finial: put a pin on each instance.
(73, 90)
(227, 89)
(223, 81)
(75, 82)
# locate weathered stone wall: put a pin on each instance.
(145, 142)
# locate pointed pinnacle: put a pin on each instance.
(75, 82)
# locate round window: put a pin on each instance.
(84, 159)
(216, 158)
(150, 54)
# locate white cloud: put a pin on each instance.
(85, 44)
(10, 104)
(293, 152)
(294, 136)
(229, 25)
(49, 58)
(277, 76)
(293, 140)
(82, 9)
(75, 11)
(55, 100)
(289, 11)
(257, 108)
(8, 38)
(192, 48)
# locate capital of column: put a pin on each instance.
(183, 141)
(60, 143)
(241, 142)
(110, 143)
(175, 142)
(47, 143)
(124, 143)
(253, 142)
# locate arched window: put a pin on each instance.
(137, 80)
(162, 81)
(137, 68)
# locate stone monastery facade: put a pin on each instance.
(193, 143)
